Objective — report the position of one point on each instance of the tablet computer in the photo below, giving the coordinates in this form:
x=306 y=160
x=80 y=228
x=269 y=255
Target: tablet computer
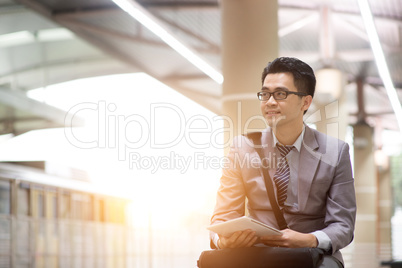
x=243 y=223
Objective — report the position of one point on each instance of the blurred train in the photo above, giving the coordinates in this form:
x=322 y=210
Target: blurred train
x=50 y=221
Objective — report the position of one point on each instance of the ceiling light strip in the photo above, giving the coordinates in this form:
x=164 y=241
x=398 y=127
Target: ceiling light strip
x=380 y=60
x=155 y=26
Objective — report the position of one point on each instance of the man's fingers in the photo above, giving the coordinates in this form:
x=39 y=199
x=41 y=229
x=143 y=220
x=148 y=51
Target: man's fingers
x=273 y=240
x=252 y=242
x=234 y=238
x=238 y=239
x=245 y=238
x=229 y=242
x=273 y=237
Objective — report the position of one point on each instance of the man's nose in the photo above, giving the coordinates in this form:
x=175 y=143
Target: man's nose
x=271 y=100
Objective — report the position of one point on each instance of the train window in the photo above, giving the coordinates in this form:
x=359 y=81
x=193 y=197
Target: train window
x=40 y=205
x=88 y=212
x=52 y=203
x=38 y=201
x=5 y=197
x=102 y=210
x=82 y=206
x=23 y=199
x=65 y=205
x=122 y=211
x=76 y=206
x=115 y=210
x=88 y=208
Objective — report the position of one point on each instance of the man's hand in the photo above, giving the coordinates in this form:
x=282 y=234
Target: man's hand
x=290 y=239
x=238 y=239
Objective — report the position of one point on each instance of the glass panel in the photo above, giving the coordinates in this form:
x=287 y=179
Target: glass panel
x=65 y=245
x=77 y=245
x=87 y=204
x=23 y=200
x=76 y=201
x=5 y=238
x=39 y=261
x=52 y=209
x=53 y=206
x=40 y=229
x=40 y=205
x=5 y=197
x=52 y=261
x=23 y=240
x=23 y=244
x=102 y=210
x=23 y=261
x=5 y=261
x=5 y=243
x=23 y=237
x=65 y=206
x=82 y=206
x=52 y=241
x=99 y=237
x=89 y=244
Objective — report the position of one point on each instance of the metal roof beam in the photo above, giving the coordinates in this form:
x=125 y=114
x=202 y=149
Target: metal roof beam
x=308 y=56
x=88 y=13
x=19 y=100
x=355 y=55
x=5 y=78
x=179 y=4
x=38 y=7
x=12 y=8
x=351 y=27
x=293 y=27
x=212 y=46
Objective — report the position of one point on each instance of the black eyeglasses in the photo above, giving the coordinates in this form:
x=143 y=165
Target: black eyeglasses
x=278 y=95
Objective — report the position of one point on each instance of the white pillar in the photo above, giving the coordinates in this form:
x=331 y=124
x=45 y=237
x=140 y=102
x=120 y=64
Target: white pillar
x=366 y=237
x=249 y=41
x=331 y=103
x=385 y=209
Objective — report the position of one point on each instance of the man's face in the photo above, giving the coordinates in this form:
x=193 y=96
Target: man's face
x=287 y=112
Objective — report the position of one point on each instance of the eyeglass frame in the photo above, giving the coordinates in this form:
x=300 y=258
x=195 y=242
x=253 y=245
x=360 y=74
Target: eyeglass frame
x=285 y=91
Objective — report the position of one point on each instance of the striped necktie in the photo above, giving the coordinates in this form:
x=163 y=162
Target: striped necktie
x=282 y=174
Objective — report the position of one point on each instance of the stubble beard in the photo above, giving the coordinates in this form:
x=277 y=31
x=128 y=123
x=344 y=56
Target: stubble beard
x=274 y=122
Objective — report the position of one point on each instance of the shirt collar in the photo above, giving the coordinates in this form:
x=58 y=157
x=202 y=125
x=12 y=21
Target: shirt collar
x=297 y=144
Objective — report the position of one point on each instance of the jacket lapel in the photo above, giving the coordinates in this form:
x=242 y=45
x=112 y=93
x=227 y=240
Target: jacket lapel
x=309 y=159
x=269 y=148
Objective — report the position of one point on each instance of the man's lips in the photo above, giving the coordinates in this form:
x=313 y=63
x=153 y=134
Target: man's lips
x=271 y=113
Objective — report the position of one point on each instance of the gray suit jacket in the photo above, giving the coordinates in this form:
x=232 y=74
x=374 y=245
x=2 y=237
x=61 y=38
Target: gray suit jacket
x=326 y=195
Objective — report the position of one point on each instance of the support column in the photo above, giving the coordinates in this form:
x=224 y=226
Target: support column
x=365 y=242
x=249 y=41
x=332 y=103
x=385 y=209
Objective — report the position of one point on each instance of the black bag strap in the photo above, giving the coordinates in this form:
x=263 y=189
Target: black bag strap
x=256 y=138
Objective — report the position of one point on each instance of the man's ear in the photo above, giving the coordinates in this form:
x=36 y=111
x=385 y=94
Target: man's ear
x=307 y=102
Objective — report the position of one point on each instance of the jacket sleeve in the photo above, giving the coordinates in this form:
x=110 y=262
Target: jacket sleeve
x=341 y=203
x=231 y=195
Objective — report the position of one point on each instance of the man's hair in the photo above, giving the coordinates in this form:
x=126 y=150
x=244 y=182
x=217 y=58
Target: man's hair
x=303 y=74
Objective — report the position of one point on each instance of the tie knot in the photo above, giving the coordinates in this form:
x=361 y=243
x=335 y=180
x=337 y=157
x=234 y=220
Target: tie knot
x=284 y=150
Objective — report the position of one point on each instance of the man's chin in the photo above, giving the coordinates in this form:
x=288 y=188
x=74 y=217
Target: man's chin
x=273 y=122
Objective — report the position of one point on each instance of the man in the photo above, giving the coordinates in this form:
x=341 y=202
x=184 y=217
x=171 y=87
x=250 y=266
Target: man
x=316 y=196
